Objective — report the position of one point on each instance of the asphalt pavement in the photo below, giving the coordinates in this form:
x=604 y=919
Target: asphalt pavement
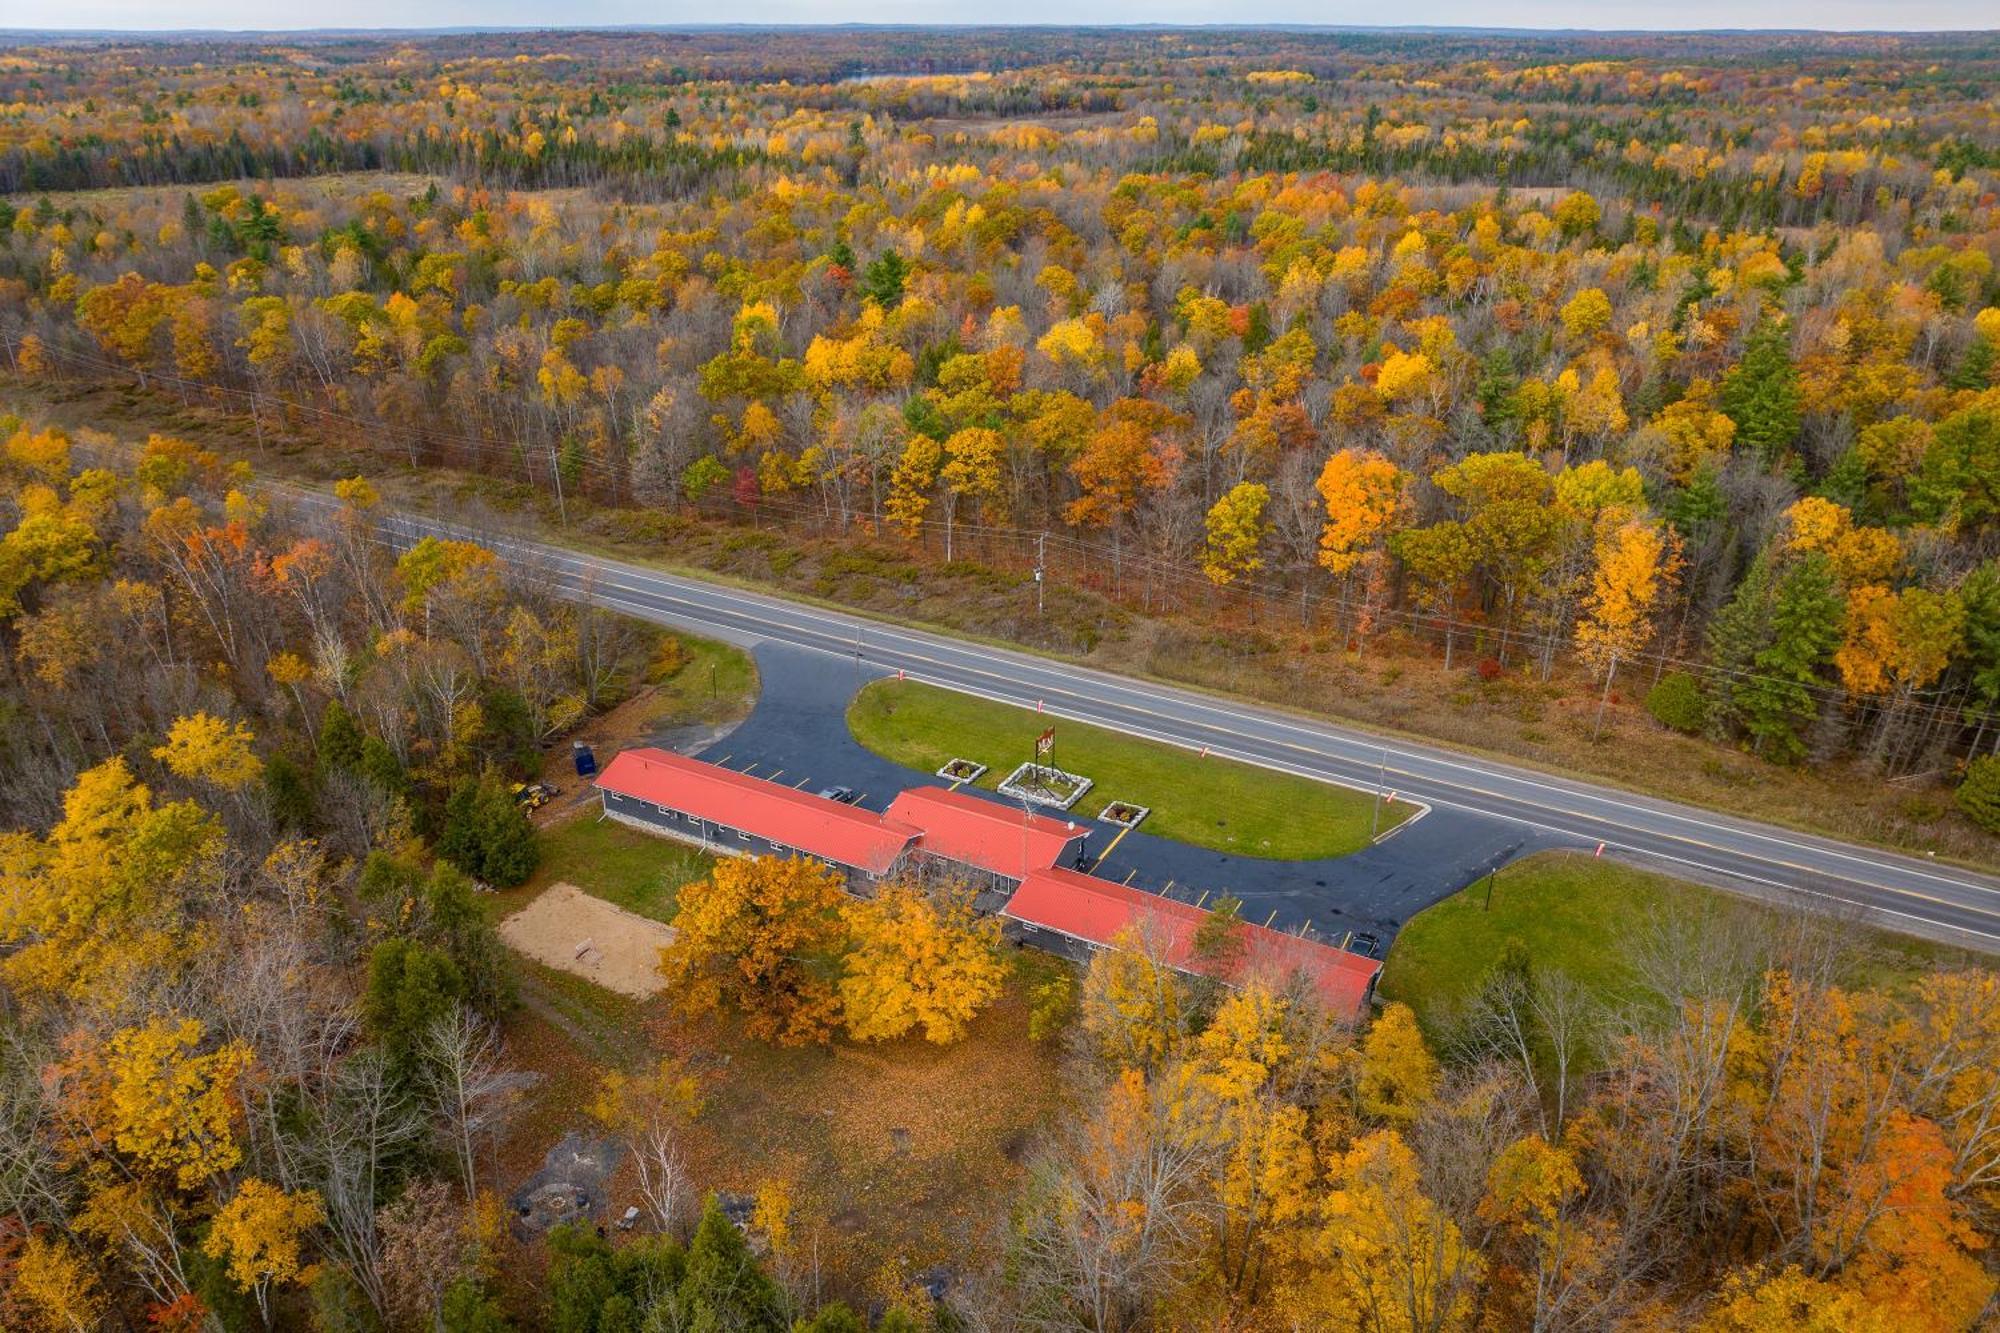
x=798 y=735
x=1922 y=897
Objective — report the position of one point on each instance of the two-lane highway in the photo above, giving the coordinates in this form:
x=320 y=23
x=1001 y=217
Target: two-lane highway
x=1923 y=897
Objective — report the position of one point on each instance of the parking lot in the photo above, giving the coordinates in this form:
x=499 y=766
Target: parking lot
x=798 y=735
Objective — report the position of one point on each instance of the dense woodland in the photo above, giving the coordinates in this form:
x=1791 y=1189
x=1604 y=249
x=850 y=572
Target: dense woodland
x=1547 y=355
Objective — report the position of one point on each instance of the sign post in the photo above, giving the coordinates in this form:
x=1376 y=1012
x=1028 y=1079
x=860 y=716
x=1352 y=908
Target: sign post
x=1045 y=745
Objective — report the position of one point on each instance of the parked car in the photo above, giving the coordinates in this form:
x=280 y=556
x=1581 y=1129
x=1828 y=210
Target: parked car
x=845 y=795
x=1365 y=944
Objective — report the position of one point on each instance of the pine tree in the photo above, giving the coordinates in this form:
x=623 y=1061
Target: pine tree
x=1975 y=366
x=724 y=1287
x=1761 y=393
x=1777 y=700
x=340 y=738
x=487 y=834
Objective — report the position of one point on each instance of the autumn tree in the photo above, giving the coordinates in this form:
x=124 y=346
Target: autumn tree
x=261 y=1234
x=918 y=960
x=748 y=936
x=1236 y=529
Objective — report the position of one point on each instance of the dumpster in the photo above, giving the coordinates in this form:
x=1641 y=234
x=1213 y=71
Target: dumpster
x=586 y=761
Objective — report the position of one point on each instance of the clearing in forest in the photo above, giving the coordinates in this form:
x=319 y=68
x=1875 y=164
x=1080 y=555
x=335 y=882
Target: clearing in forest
x=566 y=928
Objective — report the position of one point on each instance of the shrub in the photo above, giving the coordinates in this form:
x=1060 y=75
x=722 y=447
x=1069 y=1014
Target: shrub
x=1979 y=794
x=1677 y=702
x=1489 y=668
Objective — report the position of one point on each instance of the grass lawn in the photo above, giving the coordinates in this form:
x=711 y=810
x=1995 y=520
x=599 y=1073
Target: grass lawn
x=621 y=865
x=717 y=683
x=1576 y=913
x=1215 y=803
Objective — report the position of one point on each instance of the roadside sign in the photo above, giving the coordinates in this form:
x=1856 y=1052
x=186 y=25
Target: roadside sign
x=1045 y=743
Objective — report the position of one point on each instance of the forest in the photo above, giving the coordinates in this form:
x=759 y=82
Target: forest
x=1561 y=376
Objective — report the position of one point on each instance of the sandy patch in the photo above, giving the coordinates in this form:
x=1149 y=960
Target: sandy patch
x=566 y=928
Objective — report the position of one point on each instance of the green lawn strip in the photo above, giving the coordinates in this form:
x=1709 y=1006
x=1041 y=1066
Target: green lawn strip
x=621 y=865
x=1578 y=914
x=717 y=683
x=1209 y=802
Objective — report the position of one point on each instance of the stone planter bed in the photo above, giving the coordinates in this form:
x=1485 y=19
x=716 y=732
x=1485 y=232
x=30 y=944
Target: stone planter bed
x=1124 y=812
x=1045 y=786
x=961 y=770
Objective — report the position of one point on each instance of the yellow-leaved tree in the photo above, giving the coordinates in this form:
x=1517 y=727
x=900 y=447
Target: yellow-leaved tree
x=748 y=935
x=54 y=1288
x=100 y=898
x=261 y=1232
x=170 y=1107
x=1397 y=1072
x=1135 y=1008
x=1636 y=562
x=1236 y=528
x=918 y=960
x=202 y=748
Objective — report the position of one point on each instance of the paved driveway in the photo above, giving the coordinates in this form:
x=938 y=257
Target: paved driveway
x=798 y=735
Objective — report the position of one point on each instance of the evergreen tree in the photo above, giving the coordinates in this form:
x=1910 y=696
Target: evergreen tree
x=883 y=280
x=487 y=834
x=1761 y=392
x=724 y=1286
x=1979 y=794
x=1777 y=701
x=340 y=738
x=1975 y=367
x=379 y=764
x=409 y=987
x=594 y=1288
x=288 y=791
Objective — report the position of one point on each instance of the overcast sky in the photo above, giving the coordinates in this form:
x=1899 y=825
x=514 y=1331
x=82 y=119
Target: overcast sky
x=262 y=14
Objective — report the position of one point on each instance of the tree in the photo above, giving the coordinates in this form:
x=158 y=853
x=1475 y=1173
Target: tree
x=725 y=1289
x=474 y=1092
x=1397 y=1073
x=1363 y=492
x=650 y=1111
x=488 y=834
x=1979 y=793
x=918 y=960
x=261 y=1232
x=1236 y=529
x=103 y=896
x=747 y=935
x=1635 y=562
x=1135 y=1008
x=1386 y=1256
x=1761 y=392
x=410 y=987
x=207 y=749
x=170 y=1107
x=55 y=1287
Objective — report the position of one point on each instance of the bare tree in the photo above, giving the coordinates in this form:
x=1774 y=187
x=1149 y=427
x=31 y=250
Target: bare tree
x=474 y=1092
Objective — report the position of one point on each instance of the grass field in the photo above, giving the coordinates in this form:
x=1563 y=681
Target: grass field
x=717 y=683
x=1578 y=914
x=1216 y=803
x=621 y=865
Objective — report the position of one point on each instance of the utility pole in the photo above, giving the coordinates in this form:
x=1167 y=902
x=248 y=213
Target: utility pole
x=555 y=469
x=1381 y=780
x=1040 y=538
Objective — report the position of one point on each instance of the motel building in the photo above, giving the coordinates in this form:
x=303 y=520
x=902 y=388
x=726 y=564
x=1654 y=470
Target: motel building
x=1018 y=862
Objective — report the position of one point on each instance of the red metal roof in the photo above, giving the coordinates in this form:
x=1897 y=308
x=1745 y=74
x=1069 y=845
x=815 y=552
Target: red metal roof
x=811 y=824
x=974 y=831
x=1098 y=911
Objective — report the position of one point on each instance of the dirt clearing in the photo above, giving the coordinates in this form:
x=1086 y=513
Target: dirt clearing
x=567 y=929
